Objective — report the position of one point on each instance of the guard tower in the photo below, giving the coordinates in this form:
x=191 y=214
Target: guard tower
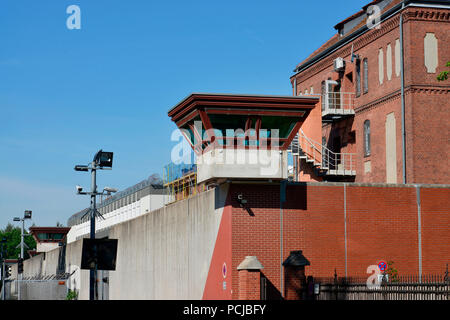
x=241 y=137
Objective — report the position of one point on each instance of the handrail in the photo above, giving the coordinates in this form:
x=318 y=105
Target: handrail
x=324 y=157
x=338 y=101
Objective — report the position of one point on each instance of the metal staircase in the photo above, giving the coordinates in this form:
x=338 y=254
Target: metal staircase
x=323 y=161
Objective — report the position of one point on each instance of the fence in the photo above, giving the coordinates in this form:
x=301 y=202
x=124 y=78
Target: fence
x=427 y=287
x=181 y=181
x=50 y=287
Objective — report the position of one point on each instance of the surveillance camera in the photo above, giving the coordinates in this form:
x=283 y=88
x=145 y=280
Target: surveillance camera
x=79 y=189
x=110 y=190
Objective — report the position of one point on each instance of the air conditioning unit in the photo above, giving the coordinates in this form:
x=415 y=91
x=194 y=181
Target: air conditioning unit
x=339 y=64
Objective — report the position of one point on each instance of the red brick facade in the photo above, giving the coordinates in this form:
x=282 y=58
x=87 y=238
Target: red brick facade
x=249 y=284
x=340 y=227
x=426 y=99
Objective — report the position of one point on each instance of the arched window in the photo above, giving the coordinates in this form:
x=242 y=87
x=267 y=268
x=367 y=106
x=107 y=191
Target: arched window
x=323 y=95
x=367 y=138
x=366 y=75
x=358 y=77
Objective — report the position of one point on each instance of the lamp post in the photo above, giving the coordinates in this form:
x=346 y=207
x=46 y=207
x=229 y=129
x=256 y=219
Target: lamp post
x=102 y=161
x=3 y=257
x=26 y=215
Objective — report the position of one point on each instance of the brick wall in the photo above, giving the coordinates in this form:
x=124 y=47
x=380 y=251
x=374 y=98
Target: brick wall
x=249 y=284
x=340 y=228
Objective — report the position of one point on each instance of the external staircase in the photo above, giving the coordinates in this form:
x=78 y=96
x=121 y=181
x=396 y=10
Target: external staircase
x=322 y=160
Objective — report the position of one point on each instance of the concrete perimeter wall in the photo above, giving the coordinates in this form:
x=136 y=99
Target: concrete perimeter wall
x=164 y=254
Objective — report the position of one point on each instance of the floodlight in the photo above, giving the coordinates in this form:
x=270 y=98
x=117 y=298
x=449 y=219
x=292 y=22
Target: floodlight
x=27 y=214
x=16 y=219
x=104 y=159
x=81 y=168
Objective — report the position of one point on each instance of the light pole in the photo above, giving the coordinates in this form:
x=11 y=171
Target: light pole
x=3 y=256
x=103 y=161
x=26 y=215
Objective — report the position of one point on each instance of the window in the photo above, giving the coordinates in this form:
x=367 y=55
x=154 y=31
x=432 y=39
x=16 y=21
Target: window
x=50 y=236
x=323 y=95
x=367 y=138
x=358 y=77
x=366 y=75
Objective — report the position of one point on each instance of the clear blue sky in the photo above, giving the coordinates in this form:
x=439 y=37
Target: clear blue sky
x=64 y=94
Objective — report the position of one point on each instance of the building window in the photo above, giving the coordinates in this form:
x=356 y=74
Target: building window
x=358 y=77
x=367 y=138
x=323 y=95
x=366 y=75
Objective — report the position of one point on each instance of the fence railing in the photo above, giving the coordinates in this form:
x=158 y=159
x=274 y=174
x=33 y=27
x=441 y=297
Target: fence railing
x=427 y=287
x=338 y=102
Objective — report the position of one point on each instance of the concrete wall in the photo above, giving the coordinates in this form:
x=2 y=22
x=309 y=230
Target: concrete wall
x=240 y=163
x=164 y=254
x=44 y=290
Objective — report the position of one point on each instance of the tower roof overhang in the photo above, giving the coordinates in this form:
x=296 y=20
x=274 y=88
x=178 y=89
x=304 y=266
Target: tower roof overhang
x=256 y=113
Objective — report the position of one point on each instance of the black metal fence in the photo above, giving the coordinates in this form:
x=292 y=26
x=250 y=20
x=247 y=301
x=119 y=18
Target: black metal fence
x=425 y=287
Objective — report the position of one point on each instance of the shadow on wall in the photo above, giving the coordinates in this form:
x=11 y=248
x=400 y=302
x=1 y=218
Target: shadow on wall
x=268 y=197
x=271 y=292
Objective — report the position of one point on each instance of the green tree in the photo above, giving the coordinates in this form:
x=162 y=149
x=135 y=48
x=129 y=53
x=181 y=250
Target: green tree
x=444 y=74
x=392 y=272
x=12 y=234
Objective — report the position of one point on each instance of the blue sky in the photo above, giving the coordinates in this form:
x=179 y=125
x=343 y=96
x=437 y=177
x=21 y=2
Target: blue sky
x=65 y=94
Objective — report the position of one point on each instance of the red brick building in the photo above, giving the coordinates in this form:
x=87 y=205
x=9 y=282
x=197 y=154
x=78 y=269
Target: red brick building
x=376 y=205
x=384 y=114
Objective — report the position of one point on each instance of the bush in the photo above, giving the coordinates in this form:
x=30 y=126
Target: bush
x=72 y=295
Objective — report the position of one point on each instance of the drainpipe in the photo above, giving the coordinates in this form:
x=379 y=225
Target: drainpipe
x=283 y=186
x=402 y=78
x=295 y=86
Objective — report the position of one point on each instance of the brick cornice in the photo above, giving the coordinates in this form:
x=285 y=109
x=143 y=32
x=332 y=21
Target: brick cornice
x=427 y=14
x=371 y=105
x=419 y=88
x=396 y=94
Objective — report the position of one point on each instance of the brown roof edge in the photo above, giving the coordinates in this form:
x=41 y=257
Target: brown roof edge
x=221 y=98
x=49 y=229
x=357 y=14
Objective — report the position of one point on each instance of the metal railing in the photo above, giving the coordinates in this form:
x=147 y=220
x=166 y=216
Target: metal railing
x=321 y=156
x=407 y=287
x=338 y=103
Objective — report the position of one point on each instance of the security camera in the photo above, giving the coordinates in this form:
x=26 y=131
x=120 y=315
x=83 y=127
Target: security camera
x=241 y=200
x=110 y=190
x=79 y=189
